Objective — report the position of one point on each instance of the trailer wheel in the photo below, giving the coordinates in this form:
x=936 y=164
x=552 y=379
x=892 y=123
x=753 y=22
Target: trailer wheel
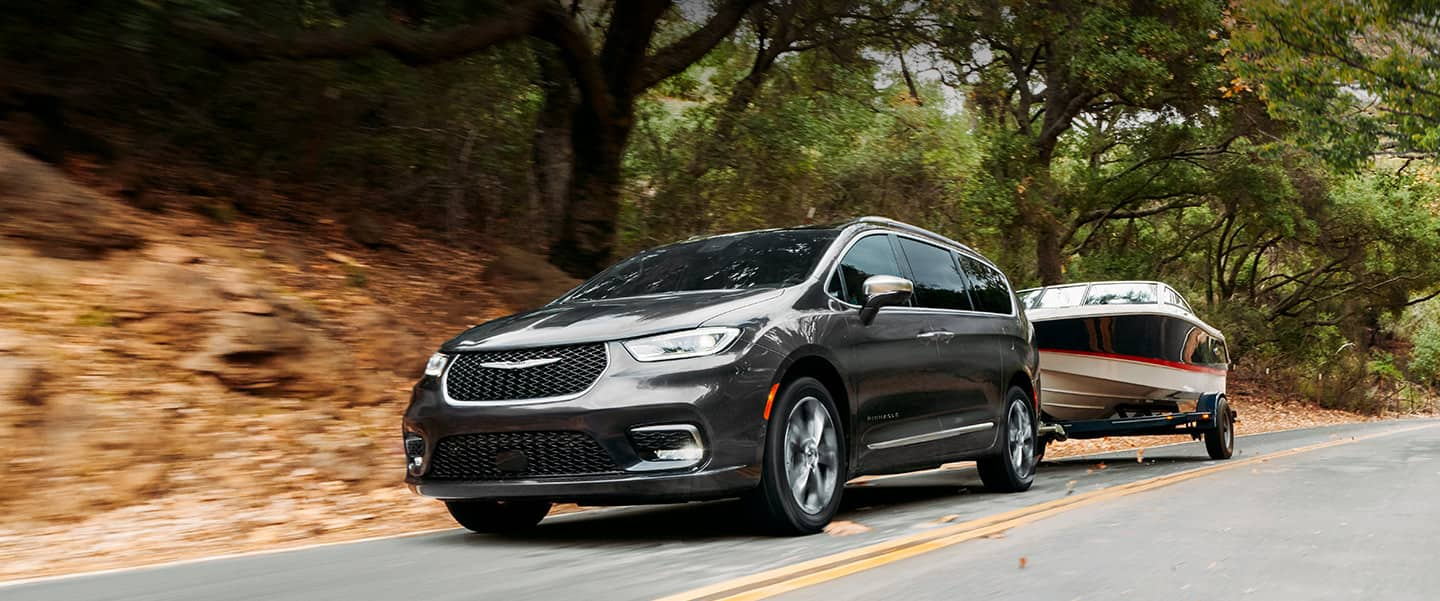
x=1220 y=441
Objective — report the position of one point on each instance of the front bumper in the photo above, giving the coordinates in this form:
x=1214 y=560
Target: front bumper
x=607 y=490
x=722 y=396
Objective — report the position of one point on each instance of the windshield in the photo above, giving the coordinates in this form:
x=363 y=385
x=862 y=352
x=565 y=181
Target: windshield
x=1120 y=294
x=770 y=259
x=1053 y=298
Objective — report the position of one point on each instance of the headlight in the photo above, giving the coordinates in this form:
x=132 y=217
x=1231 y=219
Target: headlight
x=436 y=365
x=678 y=345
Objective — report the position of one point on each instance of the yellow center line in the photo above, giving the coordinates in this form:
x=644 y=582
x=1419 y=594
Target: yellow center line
x=808 y=573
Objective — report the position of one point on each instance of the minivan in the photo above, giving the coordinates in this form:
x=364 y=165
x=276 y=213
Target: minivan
x=770 y=365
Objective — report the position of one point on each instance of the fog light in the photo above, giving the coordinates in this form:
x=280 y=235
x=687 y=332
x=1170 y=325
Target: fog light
x=690 y=453
x=674 y=443
x=414 y=453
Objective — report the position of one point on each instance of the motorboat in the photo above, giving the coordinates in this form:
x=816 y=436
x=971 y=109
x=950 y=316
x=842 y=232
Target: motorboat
x=1122 y=349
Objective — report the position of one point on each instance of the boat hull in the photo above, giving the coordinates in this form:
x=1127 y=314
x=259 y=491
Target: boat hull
x=1102 y=366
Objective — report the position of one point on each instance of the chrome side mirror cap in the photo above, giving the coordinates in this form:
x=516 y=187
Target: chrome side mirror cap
x=884 y=291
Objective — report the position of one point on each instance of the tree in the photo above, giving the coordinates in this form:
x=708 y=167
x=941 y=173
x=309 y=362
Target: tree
x=775 y=31
x=1362 y=77
x=607 y=83
x=1034 y=69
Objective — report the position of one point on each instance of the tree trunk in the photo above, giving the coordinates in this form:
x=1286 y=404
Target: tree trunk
x=587 y=234
x=1047 y=252
x=553 y=158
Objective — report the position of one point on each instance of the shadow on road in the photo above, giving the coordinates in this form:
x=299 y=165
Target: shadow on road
x=727 y=519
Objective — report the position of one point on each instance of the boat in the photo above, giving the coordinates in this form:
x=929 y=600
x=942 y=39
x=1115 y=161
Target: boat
x=1122 y=349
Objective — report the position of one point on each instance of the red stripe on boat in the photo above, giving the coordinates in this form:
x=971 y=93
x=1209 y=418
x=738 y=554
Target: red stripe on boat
x=1137 y=359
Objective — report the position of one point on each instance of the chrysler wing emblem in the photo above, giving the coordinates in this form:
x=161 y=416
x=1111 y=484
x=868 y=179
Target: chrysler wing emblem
x=520 y=364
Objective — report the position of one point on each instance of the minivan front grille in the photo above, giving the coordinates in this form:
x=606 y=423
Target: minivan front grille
x=555 y=371
x=511 y=455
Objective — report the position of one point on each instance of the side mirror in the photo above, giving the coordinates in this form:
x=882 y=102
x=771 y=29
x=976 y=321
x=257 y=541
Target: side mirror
x=884 y=291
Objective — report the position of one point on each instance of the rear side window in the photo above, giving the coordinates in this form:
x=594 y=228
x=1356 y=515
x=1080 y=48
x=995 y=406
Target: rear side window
x=938 y=283
x=871 y=256
x=989 y=289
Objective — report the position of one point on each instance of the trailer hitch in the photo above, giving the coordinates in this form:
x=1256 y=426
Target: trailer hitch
x=1051 y=432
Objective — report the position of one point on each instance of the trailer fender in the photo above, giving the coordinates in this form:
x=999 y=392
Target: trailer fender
x=1207 y=404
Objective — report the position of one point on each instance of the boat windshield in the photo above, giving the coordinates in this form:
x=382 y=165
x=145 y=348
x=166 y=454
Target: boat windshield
x=1120 y=294
x=1055 y=298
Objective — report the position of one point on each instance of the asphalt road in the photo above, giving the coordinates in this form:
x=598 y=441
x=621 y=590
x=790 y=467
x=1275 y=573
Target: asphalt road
x=1355 y=514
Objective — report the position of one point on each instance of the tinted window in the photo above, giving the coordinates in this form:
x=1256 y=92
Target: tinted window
x=1120 y=294
x=870 y=256
x=990 y=291
x=938 y=284
x=771 y=259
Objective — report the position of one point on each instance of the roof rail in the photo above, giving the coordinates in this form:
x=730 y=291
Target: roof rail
x=901 y=225
x=880 y=220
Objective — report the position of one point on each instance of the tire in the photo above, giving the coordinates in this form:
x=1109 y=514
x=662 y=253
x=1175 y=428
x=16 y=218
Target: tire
x=1013 y=468
x=497 y=517
x=796 y=457
x=1220 y=442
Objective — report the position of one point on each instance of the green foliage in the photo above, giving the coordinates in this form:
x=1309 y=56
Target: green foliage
x=1353 y=77
x=1425 y=361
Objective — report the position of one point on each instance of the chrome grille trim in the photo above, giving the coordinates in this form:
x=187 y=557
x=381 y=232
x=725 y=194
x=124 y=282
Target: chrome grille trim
x=445 y=382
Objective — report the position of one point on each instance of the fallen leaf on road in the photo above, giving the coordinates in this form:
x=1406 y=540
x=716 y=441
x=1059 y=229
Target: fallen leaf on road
x=845 y=528
x=1022 y=563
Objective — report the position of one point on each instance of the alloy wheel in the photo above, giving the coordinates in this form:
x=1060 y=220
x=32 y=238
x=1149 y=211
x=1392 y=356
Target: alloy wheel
x=1021 y=439
x=811 y=455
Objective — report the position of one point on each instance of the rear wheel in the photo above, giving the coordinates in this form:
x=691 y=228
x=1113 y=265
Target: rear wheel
x=804 y=468
x=1013 y=470
x=1220 y=442
x=498 y=516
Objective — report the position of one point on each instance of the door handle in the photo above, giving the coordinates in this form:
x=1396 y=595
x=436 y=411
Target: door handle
x=940 y=334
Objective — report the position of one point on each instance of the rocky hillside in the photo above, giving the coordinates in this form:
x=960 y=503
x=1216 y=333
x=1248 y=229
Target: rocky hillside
x=207 y=382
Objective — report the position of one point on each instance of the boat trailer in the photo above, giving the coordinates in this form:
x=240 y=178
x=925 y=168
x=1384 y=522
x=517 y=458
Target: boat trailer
x=1212 y=420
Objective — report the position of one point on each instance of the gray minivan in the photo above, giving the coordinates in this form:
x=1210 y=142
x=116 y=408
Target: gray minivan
x=772 y=365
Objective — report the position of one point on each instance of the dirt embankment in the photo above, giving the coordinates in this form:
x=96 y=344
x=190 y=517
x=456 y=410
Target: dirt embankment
x=175 y=386
x=172 y=386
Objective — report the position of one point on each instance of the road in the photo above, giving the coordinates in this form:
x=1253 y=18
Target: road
x=1328 y=513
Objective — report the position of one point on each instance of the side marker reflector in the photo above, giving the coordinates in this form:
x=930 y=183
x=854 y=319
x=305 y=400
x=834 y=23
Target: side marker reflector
x=770 y=401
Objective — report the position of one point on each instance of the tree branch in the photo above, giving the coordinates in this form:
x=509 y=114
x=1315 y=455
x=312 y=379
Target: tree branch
x=678 y=56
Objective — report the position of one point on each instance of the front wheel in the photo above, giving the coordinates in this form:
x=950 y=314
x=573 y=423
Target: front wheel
x=493 y=517
x=1013 y=469
x=1220 y=442
x=804 y=469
